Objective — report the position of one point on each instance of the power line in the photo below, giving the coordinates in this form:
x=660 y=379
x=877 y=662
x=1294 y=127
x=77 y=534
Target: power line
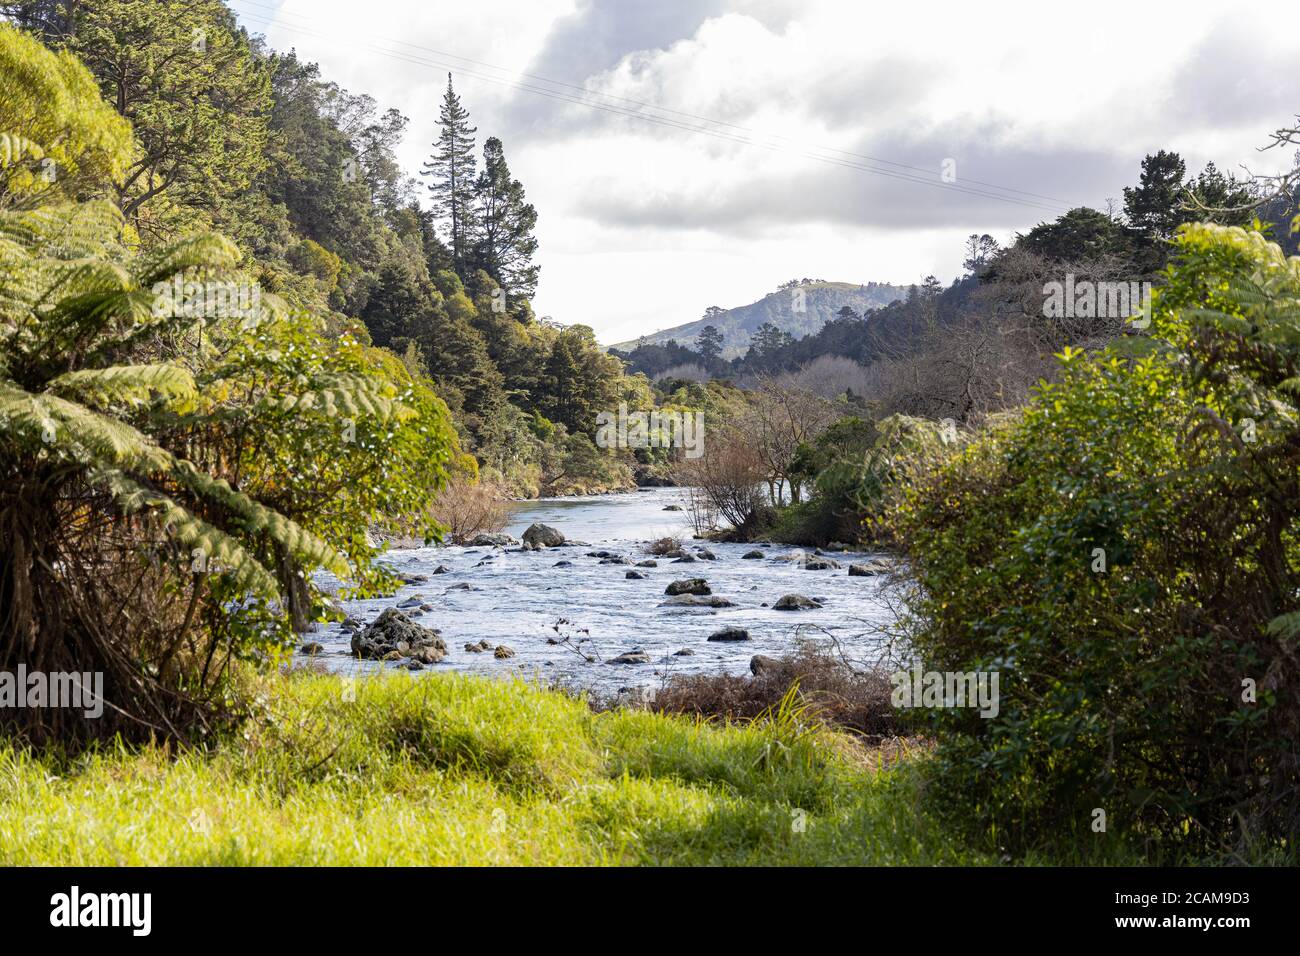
x=664 y=109
x=561 y=96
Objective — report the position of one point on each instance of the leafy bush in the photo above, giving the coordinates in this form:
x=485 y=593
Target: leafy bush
x=1125 y=555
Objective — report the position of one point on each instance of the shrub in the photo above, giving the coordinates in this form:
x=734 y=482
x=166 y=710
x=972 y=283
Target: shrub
x=1126 y=556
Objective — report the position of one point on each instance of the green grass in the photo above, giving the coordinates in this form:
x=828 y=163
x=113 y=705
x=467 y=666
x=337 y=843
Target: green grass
x=451 y=769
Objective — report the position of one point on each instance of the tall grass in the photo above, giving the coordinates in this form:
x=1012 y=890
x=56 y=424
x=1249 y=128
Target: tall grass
x=459 y=770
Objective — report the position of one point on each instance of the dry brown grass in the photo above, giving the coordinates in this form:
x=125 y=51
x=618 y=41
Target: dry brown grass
x=834 y=693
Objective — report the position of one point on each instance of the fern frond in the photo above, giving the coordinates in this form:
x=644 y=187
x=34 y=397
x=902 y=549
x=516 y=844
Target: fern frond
x=215 y=545
x=125 y=383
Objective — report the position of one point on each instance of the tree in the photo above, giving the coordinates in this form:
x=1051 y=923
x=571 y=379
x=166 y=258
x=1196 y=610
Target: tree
x=1080 y=234
x=1153 y=206
x=63 y=139
x=709 y=344
x=451 y=172
x=185 y=76
x=504 y=244
x=980 y=251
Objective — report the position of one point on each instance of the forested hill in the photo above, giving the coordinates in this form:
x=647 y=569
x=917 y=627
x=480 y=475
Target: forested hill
x=821 y=301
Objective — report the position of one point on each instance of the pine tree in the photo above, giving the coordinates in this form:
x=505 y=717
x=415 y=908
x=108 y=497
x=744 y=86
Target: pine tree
x=451 y=170
x=709 y=344
x=505 y=244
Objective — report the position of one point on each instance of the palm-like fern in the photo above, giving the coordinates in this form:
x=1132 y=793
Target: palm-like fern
x=67 y=321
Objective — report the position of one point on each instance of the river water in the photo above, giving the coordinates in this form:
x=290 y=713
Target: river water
x=520 y=598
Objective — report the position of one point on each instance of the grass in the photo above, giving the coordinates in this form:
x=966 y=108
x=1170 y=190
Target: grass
x=452 y=769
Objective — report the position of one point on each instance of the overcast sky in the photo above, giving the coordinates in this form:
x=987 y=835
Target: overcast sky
x=644 y=223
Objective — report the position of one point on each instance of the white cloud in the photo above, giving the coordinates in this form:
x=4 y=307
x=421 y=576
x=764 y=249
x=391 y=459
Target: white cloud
x=643 y=225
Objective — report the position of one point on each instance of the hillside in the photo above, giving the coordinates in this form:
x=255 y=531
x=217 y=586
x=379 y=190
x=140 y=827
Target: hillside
x=822 y=301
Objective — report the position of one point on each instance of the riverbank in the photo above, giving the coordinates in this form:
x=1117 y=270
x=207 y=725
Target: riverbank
x=453 y=769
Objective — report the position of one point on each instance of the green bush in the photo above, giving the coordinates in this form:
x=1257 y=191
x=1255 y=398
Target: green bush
x=1125 y=555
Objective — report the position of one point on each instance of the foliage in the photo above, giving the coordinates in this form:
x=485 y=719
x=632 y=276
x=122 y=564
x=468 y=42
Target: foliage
x=1125 y=555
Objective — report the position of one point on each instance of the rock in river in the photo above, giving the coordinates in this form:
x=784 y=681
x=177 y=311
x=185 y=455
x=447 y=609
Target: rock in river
x=631 y=657
x=696 y=600
x=503 y=651
x=490 y=540
x=635 y=575
x=730 y=634
x=542 y=536
x=795 y=602
x=754 y=555
x=381 y=640
x=689 y=586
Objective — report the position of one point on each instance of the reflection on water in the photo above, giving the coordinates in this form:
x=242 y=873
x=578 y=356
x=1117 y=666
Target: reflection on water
x=517 y=598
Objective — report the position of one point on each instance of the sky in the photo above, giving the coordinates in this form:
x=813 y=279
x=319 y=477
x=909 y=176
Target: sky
x=717 y=148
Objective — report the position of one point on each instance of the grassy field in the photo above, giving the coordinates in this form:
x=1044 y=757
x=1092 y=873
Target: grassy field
x=461 y=770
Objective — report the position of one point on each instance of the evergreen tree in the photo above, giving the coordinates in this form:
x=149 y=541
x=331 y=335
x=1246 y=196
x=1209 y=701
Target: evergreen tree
x=505 y=245
x=1152 y=206
x=451 y=172
x=709 y=344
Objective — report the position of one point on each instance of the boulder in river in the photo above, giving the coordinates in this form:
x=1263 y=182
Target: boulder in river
x=730 y=634
x=685 y=559
x=684 y=652
x=503 y=651
x=441 y=569
x=755 y=555
x=697 y=600
x=648 y=563
x=381 y=640
x=761 y=663
x=479 y=647
x=631 y=657
x=615 y=561
x=672 y=507
x=820 y=564
x=868 y=569
x=563 y=564
x=705 y=554
x=312 y=647
x=485 y=540
x=540 y=536
x=635 y=575
x=689 y=586
x=795 y=602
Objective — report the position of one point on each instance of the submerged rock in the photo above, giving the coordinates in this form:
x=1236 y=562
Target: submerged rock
x=696 y=600
x=636 y=575
x=491 y=540
x=689 y=586
x=795 y=602
x=684 y=652
x=820 y=564
x=631 y=657
x=312 y=647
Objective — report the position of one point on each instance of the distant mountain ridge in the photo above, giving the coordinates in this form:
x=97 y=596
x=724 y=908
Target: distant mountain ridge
x=821 y=302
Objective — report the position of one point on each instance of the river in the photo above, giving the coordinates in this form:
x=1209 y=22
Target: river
x=518 y=598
